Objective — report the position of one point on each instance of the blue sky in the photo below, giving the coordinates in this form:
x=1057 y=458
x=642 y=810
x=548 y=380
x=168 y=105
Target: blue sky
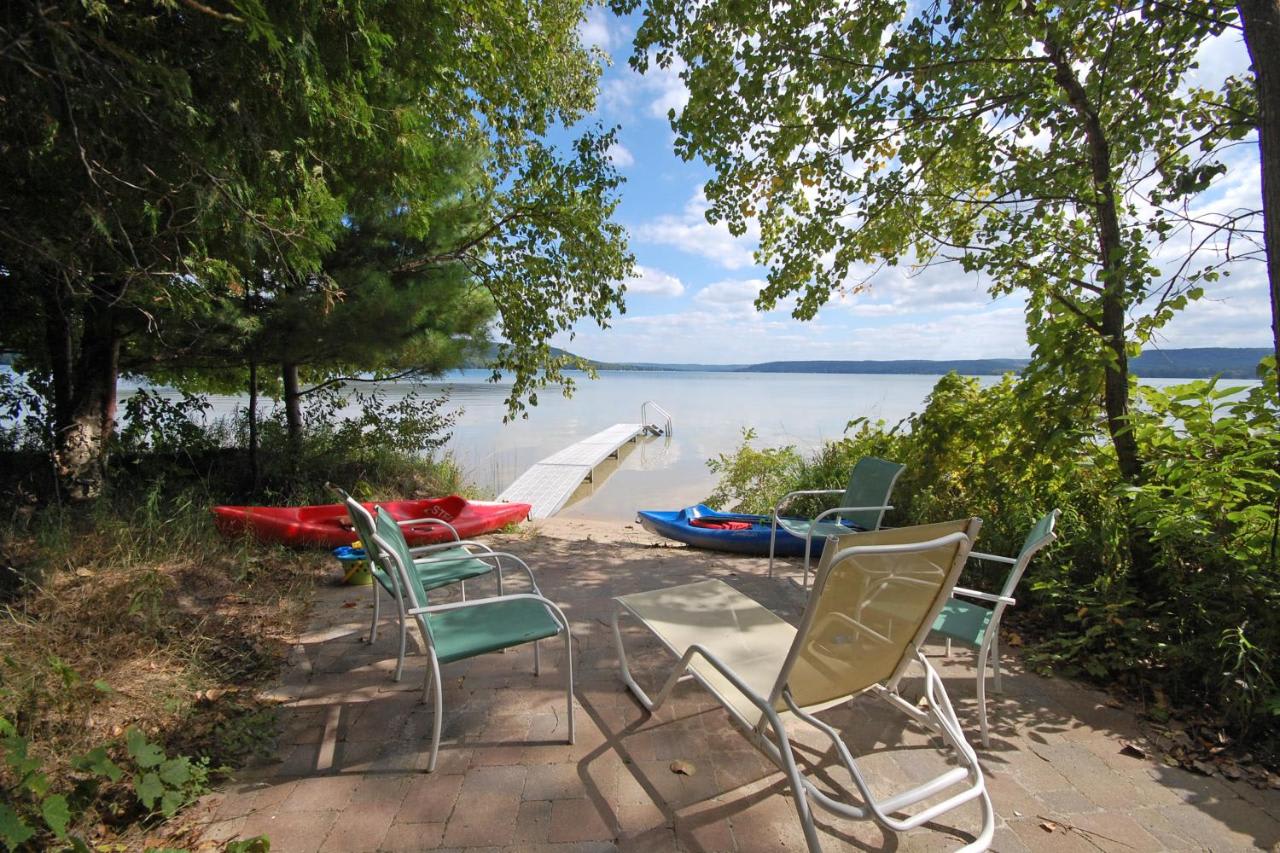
x=692 y=298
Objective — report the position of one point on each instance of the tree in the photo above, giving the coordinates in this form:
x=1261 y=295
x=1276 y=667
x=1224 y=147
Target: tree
x=1260 y=20
x=157 y=158
x=1052 y=146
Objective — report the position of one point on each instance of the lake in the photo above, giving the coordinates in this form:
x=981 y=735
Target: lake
x=709 y=412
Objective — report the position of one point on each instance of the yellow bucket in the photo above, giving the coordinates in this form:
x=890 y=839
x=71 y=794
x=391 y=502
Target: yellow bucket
x=355 y=565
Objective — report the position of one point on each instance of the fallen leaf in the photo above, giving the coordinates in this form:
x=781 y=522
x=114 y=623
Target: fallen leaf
x=1114 y=703
x=83 y=573
x=1048 y=826
x=684 y=768
x=1203 y=768
x=350 y=603
x=1129 y=748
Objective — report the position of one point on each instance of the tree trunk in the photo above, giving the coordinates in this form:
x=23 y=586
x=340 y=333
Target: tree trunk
x=81 y=439
x=292 y=408
x=255 y=478
x=1261 y=19
x=59 y=342
x=1115 y=300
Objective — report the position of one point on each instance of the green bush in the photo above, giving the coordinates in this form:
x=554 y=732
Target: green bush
x=32 y=814
x=1198 y=625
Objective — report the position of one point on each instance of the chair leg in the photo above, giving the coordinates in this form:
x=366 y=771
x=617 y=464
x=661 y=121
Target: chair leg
x=377 y=613
x=948 y=647
x=995 y=661
x=537 y=658
x=568 y=669
x=803 y=810
x=463 y=586
x=808 y=547
x=404 y=639
x=982 y=693
x=433 y=680
x=773 y=537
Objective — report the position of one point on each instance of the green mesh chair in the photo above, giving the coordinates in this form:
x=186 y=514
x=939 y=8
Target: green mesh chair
x=464 y=629
x=874 y=597
x=436 y=565
x=862 y=504
x=978 y=625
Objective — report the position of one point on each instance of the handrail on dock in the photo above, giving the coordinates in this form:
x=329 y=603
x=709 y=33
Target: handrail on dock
x=644 y=418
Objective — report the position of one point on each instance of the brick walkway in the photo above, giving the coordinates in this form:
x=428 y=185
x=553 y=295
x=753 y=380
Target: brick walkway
x=352 y=748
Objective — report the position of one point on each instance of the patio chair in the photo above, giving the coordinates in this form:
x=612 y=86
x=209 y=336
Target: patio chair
x=874 y=597
x=979 y=626
x=437 y=565
x=863 y=504
x=464 y=629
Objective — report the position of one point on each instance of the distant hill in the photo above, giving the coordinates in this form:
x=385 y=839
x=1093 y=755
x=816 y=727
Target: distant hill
x=969 y=367
x=1231 y=363
x=1201 y=362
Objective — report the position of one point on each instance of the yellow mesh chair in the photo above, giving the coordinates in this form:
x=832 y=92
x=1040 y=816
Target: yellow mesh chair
x=874 y=599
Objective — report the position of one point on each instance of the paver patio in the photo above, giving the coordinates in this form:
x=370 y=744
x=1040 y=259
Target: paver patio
x=352 y=748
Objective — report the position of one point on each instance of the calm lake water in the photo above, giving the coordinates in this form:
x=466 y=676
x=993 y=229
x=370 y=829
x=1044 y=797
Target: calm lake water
x=709 y=412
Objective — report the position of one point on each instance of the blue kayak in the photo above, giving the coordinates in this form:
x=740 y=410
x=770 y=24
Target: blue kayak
x=703 y=527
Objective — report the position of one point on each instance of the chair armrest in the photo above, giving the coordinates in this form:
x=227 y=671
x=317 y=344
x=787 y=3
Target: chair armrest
x=556 y=612
x=995 y=558
x=496 y=556
x=984 y=596
x=461 y=543
x=789 y=495
x=839 y=509
x=414 y=522
x=479 y=602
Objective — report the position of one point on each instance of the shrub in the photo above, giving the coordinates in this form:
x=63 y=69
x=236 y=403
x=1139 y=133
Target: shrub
x=1206 y=632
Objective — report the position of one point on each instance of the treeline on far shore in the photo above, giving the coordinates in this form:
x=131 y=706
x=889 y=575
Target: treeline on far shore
x=1189 y=363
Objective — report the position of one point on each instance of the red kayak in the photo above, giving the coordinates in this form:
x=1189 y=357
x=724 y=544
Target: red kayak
x=329 y=524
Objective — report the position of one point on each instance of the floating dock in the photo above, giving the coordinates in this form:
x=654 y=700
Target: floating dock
x=549 y=484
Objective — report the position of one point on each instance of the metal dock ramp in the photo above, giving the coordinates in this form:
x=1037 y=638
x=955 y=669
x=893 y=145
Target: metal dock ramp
x=549 y=484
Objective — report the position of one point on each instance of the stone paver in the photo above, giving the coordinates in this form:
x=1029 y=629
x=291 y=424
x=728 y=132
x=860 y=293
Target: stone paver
x=350 y=772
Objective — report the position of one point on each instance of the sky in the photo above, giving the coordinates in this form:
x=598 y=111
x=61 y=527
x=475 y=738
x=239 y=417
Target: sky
x=691 y=297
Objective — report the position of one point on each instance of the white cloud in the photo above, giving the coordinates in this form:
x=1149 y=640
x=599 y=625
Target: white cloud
x=727 y=334
x=690 y=232
x=659 y=89
x=669 y=90
x=654 y=282
x=596 y=30
x=904 y=290
x=1218 y=58
x=737 y=296
x=621 y=155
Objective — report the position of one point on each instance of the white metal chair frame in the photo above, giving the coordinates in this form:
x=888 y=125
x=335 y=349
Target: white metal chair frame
x=989 y=649
x=432 y=684
x=939 y=716
x=354 y=509
x=808 y=538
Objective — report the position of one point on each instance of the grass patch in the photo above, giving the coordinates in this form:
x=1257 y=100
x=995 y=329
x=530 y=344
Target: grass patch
x=135 y=616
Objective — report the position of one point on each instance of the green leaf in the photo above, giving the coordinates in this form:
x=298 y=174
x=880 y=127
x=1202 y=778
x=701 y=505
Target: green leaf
x=13 y=830
x=176 y=772
x=149 y=789
x=142 y=751
x=56 y=813
x=172 y=800
x=96 y=761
